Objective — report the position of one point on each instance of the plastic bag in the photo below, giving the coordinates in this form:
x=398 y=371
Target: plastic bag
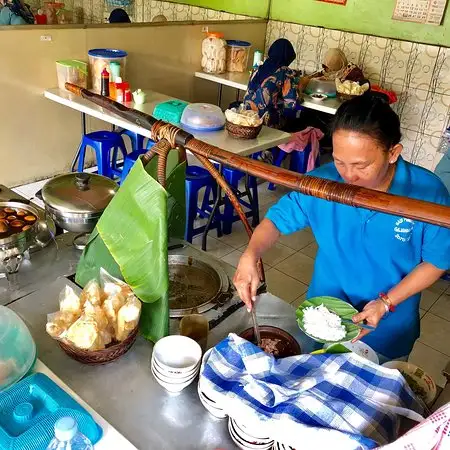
x=105 y=313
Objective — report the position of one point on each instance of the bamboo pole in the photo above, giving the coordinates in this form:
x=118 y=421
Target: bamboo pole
x=318 y=187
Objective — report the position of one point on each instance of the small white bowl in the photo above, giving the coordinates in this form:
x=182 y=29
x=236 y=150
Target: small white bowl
x=177 y=354
x=167 y=378
x=244 y=444
x=250 y=435
x=171 y=387
x=216 y=412
x=318 y=97
x=175 y=374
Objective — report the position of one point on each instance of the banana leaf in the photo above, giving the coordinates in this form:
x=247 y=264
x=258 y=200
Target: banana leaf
x=130 y=239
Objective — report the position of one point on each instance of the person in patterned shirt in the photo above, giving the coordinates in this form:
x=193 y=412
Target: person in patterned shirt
x=273 y=90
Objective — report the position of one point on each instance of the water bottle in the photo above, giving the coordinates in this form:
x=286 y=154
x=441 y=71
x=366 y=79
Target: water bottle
x=444 y=145
x=67 y=436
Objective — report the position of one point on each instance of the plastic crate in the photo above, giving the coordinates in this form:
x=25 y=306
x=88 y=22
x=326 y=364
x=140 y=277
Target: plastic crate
x=29 y=410
x=170 y=111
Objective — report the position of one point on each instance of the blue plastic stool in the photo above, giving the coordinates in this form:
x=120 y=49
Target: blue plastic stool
x=137 y=141
x=233 y=177
x=298 y=162
x=106 y=145
x=198 y=178
x=128 y=162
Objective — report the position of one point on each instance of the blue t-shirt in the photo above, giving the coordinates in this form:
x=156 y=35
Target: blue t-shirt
x=362 y=252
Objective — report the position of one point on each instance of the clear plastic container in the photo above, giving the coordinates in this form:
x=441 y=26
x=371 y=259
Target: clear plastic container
x=214 y=53
x=100 y=58
x=51 y=11
x=203 y=117
x=67 y=436
x=17 y=348
x=237 y=55
x=72 y=71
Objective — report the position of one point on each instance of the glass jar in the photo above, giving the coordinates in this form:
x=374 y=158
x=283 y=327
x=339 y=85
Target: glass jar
x=214 y=53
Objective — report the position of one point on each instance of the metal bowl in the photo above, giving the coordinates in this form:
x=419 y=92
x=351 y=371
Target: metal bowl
x=286 y=346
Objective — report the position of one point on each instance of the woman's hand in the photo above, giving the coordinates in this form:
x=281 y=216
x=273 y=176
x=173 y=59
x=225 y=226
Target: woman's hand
x=372 y=313
x=246 y=279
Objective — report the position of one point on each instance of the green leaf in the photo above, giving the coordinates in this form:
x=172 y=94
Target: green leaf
x=341 y=308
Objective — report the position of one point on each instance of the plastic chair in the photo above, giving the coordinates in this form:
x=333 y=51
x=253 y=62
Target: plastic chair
x=198 y=178
x=298 y=162
x=137 y=141
x=129 y=161
x=106 y=145
x=233 y=177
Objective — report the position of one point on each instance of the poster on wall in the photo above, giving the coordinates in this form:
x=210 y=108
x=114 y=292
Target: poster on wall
x=335 y=2
x=420 y=11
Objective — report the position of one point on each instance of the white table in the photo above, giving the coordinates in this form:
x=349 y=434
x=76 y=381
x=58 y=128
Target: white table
x=268 y=138
x=239 y=81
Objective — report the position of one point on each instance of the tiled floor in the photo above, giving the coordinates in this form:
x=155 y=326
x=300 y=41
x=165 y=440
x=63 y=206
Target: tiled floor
x=289 y=267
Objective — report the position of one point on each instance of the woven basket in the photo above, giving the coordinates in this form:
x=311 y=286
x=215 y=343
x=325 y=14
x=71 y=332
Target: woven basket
x=241 y=131
x=105 y=356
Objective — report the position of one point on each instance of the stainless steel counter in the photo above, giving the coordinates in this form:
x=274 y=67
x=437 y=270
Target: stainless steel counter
x=125 y=393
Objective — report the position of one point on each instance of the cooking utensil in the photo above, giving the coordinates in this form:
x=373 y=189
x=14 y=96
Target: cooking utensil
x=75 y=201
x=359 y=324
x=255 y=326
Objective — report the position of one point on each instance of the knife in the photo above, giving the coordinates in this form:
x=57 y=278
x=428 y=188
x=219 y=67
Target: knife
x=359 y=324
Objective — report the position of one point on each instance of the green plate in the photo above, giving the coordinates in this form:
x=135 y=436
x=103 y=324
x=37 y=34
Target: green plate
x=343 y=309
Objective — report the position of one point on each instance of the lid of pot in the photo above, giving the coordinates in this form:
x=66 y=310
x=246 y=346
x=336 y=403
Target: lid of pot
x=82 y=193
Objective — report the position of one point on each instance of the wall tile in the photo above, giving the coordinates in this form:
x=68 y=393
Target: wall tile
x=443 y=72
x=351 y=44
x=396 y=61
x=424 y=65
x=198 y=13
x=408 y=140
x=424 y=152
x=410 y=108
x=374 y=57
x=309 y=48
x=182 y=12
x=328 y=39
x=435 y=114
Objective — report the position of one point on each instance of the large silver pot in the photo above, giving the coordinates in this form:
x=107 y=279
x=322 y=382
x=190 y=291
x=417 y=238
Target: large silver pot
x=75 y=201
x=13 y=247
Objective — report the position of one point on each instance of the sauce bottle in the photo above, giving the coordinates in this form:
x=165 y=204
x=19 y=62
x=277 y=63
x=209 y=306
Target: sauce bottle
x=105 y=83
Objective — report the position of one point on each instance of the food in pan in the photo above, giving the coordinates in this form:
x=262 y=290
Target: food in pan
x=14 y=221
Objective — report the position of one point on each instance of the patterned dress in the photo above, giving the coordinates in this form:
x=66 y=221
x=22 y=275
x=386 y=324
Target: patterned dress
x=277 y=95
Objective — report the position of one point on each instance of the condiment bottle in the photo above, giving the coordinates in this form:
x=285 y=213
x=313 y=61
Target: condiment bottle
x=127 y=95
x=115 y=70
x=105 y=83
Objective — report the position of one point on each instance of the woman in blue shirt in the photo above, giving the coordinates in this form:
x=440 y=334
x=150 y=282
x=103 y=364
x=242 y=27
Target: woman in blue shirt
x=15 y=12
x=363 y=253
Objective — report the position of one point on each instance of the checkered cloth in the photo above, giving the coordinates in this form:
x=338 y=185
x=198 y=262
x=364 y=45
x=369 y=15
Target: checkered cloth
x=309 y=401
x=432 y=434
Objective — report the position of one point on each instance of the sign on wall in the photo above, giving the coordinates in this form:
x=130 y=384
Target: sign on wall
x=336 y=2
x=420 y=11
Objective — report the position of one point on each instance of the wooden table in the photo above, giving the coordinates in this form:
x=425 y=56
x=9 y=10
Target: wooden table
x=239 y=81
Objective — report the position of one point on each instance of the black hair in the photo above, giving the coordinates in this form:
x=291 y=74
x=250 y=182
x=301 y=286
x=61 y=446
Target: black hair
x=119 y=15
x=371 y=115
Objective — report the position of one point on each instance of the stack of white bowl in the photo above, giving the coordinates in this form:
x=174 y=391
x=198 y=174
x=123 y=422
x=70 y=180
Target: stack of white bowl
x=280 y=446
x=249 y=438
x=175 y=362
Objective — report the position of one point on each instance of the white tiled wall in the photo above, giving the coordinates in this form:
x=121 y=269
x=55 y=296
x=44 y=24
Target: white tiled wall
x=419 y=74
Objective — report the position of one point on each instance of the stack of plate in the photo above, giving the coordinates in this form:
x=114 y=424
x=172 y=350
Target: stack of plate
x=248 y=438
x=210 y=405
x=175 y=362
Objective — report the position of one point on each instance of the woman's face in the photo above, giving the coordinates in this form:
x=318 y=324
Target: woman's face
x=361 y=160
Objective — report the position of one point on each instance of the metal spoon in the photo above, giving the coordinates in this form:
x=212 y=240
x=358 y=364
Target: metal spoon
x=255 y=325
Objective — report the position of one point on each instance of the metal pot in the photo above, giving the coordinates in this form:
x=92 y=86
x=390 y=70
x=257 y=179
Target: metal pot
x=75 y=201
x=13 y=247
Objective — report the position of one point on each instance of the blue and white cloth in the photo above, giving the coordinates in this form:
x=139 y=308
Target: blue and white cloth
x=308 y=401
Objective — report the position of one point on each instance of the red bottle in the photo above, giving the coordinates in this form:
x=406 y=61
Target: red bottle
x=105 y=83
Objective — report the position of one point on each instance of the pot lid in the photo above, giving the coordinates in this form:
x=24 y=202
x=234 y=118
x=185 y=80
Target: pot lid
x=82 y=193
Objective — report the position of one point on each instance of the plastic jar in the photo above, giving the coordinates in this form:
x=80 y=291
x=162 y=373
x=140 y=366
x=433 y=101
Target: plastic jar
x=99 y=59
x=237 y=55
x=214 y=53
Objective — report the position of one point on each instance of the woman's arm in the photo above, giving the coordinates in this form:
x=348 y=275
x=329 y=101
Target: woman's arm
x=246 y=278
x=422 y=277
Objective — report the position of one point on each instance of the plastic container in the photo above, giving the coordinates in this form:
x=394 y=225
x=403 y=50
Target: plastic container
x=214 y=53
x=30 y=409
x=17 y=348
x=72 y=71
x=67 y=436
x=64 y=16
x=100 y=58
x=237 y=55
x=203 y=117
x=170 y=111
x=325 y=87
